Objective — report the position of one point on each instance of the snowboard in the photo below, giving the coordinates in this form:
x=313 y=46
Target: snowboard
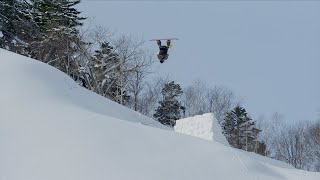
x=164 y=39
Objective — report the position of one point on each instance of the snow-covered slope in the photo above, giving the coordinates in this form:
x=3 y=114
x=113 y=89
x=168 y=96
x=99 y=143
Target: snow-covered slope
x=32 y=84
x=52 y=129
x=203 y=126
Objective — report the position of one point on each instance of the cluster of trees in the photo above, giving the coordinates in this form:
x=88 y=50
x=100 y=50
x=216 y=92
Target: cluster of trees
x=42 y=29
x=114 y=67
x=49 y=31
x=167 y=101
x=297 y=144
x=239 y=129
x=118 y=68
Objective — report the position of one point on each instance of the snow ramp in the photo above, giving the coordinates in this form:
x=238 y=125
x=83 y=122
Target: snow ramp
x=202 y=126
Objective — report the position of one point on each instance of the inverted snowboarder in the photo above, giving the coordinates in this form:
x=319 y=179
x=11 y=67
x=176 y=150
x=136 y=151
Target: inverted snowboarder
x=163 y=51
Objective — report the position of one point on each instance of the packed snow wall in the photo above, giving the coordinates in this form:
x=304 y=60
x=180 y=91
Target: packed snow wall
x=203 y=126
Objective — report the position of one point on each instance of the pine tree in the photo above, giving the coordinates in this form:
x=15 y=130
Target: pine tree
x=55 y=15
x=16 y=25
x=105 y=69
x=240 y=130
x=57 y=40
x=170 y=109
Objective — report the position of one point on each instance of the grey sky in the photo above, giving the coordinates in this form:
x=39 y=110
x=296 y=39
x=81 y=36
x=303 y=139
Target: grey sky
x=268 y=53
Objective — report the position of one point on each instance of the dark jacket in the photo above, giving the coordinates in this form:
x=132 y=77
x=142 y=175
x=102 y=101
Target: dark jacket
x=163 y=50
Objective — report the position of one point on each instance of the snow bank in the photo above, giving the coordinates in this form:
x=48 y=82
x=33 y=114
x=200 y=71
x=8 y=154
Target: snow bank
x=203 y=126
x=37 y=81
x=52 y=129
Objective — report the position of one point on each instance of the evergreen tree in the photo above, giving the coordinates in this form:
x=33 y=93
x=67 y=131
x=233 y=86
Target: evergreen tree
x=240 y=130
x=57 y=40
x=106 y=74
x=16 y=25
x=170 y=109
x=55 y=15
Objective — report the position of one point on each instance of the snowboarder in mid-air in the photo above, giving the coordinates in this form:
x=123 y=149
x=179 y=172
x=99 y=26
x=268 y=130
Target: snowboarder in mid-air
x=163 y=51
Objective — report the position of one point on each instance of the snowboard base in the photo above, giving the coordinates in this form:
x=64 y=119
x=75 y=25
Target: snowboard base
x=164 y=39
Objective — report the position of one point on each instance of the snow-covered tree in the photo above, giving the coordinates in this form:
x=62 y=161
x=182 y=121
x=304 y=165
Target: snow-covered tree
x=105 y=69
x=16 y=25
x=117 y=69
x=58 y=35
x=170 y=109
x=54 y=15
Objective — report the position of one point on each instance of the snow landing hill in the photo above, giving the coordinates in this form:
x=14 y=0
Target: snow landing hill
x=53 y=129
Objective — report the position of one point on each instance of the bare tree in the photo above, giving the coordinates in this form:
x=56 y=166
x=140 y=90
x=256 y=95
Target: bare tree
x=194 y=98
x=271 y=130
x=313 y=138
x=133 y=62
x=220 y=100
x=198 y=98
x=291 y=146
x=297 y=144
x=137 y=80
x=152 y=95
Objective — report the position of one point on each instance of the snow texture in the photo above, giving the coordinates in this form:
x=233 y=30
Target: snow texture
x=53 y=129
x=203 y=126
x=1 y=34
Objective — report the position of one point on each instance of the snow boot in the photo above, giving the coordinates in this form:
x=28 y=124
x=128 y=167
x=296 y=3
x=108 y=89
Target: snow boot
x=168 y=43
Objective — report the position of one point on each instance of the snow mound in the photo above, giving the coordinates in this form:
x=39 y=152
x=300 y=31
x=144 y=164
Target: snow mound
x=40 y=84
x=52 y=129
x=203 y=126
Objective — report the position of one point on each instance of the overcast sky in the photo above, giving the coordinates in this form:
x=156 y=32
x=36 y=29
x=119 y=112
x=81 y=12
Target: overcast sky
x=268 y=53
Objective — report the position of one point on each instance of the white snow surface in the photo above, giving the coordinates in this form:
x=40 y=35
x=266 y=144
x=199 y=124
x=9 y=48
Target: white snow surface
x=52 y=129
x=203 y=126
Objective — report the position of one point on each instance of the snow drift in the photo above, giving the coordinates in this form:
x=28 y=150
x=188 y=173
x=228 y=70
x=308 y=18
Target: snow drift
x=52 y=129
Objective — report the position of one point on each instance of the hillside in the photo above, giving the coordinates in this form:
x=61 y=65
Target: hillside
x=53 y=129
